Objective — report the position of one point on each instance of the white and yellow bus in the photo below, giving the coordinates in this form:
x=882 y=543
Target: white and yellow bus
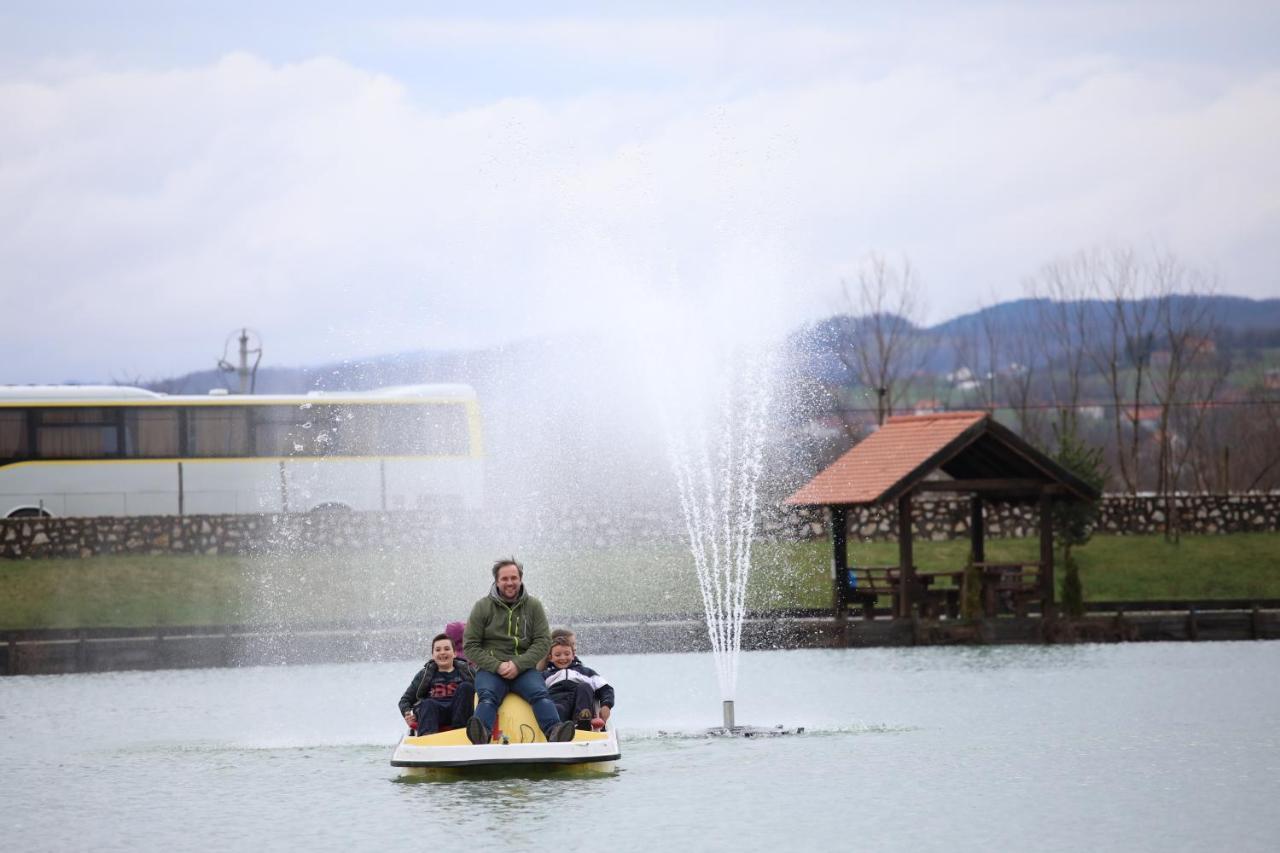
x=112 y=450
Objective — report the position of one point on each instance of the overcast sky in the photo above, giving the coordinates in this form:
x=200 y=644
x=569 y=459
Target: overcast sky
x=392 y=176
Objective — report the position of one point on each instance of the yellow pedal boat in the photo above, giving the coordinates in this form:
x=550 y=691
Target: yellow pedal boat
x=518 y=743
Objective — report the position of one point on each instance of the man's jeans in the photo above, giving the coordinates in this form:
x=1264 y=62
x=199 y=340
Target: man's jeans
x=493 y=688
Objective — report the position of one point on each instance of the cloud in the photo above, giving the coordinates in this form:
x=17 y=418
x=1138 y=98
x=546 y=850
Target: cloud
x=145 y=213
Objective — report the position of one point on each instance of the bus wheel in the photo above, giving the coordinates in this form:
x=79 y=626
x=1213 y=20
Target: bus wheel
x=30 y=512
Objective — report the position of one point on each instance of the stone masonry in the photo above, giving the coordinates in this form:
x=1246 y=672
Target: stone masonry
x=935 y=519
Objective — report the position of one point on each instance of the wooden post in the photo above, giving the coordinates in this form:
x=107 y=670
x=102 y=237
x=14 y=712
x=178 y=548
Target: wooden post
x=976 y=531
x=839 y=559
x=978 y=545
x=1047 y=588
x=906 y=568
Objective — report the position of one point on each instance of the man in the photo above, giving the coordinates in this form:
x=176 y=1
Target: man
x=507 y=634
x=441 y=693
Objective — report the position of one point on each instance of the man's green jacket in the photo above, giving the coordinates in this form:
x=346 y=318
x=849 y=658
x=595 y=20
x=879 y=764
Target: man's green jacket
x=498 y=631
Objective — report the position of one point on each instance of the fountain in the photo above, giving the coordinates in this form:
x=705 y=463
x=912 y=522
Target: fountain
x=717 y=455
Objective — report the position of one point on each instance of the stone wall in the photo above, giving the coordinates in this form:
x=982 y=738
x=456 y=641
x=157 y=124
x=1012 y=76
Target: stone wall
x=935 y=519
x=948 y=518
x=212 y=534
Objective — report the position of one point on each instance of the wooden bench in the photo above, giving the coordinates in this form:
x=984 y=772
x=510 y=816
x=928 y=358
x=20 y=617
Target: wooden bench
x=1009 y=585
x=937 y=598
x=872 y=582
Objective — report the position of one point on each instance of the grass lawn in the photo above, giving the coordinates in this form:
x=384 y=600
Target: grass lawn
x=404 y=587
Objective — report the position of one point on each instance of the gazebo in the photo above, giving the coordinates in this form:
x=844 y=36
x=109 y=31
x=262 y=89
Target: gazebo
x=952 y=453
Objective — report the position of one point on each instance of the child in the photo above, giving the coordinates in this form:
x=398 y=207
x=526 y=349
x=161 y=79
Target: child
x=442 y=693
x=455 y=631
x=574 y=687
x=559 y=634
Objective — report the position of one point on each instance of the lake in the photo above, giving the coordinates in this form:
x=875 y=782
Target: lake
x=1118 y=747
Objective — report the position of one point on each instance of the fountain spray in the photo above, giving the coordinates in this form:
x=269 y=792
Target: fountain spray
x=717 y=455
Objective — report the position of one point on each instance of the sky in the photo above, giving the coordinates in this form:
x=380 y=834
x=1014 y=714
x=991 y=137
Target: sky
x=353 y=179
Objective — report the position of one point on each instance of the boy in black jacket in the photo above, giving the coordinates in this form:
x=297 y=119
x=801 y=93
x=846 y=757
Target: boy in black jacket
x=574 y=687
x=442 y=693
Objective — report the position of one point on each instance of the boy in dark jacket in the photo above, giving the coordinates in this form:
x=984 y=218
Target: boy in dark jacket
x=575 y=687
x=442 y=693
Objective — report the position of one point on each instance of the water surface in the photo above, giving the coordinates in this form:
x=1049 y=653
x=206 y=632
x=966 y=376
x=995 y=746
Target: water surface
x=1134 y=747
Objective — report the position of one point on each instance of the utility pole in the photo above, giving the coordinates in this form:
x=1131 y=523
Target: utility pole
x=247 y=375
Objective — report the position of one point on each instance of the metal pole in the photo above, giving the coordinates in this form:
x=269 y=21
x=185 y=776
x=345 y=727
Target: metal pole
x=728 y=713
x=244 y=361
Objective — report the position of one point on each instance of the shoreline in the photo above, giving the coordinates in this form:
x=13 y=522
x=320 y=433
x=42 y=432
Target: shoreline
x=64 y=651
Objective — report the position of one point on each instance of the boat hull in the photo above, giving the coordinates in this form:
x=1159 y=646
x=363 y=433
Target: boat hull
x=525 y=748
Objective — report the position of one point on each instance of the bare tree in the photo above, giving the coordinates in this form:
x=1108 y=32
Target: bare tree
x=1026 y=353
x=1236 y=447
x=1186 y=372
x=1121 y=350
x=882 y=351
x=976 y=354
x=1261 y=462
x=1061 y=291
x=1144 y=331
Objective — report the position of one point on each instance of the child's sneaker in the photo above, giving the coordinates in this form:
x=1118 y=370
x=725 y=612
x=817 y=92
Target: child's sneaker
x=561 y=732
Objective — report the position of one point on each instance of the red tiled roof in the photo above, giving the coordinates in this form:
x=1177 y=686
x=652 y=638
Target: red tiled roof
x=883 y=459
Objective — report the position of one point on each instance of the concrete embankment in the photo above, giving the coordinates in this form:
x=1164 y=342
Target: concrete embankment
x=49 y=651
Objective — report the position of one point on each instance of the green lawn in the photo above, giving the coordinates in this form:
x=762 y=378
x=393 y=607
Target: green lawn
x=404 y=587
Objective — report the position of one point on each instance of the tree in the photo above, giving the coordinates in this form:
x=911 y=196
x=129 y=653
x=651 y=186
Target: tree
x=1185 y=390
x=1122 y=350
x=883 y=351
x=976 y=353
x=1073 y=521
x=1025 y=351
x=1061 y=291
x=1143 y=326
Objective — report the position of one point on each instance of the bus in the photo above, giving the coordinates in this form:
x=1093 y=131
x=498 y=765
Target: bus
x=69 y=450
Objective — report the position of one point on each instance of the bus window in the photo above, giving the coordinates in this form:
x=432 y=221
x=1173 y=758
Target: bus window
x=217 y=431
x=355 y=430
x=316 y=431
x=13 y=433
x=273 y=428
x=431 y=429
x=436 y=430
x=77 y=433
x=151 y=433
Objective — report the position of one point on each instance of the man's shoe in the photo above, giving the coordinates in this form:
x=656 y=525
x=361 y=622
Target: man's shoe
x=561 y=732
x=477 y=731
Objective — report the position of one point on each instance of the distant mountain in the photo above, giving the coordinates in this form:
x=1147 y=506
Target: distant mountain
x=408 y=368
x=1242 y=323
x=1234 y=314
x=812 y=350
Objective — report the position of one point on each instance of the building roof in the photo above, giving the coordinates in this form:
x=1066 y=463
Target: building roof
x=909 y=449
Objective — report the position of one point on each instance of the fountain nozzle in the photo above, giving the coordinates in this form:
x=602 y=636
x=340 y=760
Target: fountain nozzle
x=732 y=729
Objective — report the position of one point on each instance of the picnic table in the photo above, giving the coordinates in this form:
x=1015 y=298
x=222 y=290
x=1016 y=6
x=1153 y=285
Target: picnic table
x=1006 y=587
x=871 y=582
x=1009 y=585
